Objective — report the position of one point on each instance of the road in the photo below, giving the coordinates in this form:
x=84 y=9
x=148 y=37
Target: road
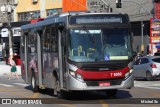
x=15 y=88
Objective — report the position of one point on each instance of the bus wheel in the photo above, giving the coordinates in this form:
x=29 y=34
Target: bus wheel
x=33 y=83
x=111 y=93
x=56 y=91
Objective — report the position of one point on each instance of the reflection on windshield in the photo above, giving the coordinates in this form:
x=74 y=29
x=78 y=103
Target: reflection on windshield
x=99 y=45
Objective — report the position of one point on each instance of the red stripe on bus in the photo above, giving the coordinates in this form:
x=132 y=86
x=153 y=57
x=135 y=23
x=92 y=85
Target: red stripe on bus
x=103 y=74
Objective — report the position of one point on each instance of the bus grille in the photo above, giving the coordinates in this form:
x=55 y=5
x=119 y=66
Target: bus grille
x=96 y=82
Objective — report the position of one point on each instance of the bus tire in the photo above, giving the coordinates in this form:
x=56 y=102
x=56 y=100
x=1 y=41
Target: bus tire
x=60 y=95
x=111 y=93
x=56 y=87
x=33 y=83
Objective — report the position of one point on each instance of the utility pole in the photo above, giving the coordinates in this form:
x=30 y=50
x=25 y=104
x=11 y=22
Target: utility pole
x=109 y=7
x=10 y=35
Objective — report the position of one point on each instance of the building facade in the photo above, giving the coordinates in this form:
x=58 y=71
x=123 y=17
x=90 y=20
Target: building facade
x=30 y=9
x=4 y=15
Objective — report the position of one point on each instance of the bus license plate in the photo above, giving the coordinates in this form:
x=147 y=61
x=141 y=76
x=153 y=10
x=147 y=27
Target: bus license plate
x=104 y=84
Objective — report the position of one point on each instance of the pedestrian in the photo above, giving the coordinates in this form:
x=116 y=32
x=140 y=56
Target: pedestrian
x=13 y=68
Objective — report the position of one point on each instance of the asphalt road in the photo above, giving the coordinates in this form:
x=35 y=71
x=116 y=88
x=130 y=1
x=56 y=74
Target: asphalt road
x=143 y=91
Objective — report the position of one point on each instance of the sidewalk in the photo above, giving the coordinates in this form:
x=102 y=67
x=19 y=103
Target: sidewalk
x=5 y=69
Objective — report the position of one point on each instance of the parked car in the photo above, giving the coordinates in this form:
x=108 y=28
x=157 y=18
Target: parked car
x=147 y=67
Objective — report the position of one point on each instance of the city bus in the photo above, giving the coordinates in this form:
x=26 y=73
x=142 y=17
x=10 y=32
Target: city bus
x=78 y=51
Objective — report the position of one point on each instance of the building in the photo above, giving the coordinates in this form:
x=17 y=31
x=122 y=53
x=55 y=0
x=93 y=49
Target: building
x=154 y=45
x=4 y=16
x=22 y=11
x=7 y=23
x=26 y=10
x=15 y=27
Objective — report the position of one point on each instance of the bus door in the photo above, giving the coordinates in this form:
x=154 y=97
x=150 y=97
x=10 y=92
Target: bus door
x=32 y=54
x=62 y=55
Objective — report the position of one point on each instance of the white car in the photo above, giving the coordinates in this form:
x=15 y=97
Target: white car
x=147 y=67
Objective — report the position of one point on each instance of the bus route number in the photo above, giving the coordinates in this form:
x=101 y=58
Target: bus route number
x=117 y=74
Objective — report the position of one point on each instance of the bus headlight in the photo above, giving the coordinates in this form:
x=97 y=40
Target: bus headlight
x=76 y=75
x=128 y=74
x=72 y=73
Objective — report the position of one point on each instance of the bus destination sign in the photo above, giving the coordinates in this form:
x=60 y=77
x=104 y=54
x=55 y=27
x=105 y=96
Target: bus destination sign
x=84 y=20
x=98 y=19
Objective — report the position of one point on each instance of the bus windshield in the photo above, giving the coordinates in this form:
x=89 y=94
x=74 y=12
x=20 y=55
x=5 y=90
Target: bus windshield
x=88 y=45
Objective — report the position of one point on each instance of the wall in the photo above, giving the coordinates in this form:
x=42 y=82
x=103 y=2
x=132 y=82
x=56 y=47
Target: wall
x=41 y=5
x=74 y=5
x=27 y=5
x=137 y=38
x=51 y=4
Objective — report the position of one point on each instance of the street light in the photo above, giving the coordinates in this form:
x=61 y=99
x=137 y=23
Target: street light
x=8 y=9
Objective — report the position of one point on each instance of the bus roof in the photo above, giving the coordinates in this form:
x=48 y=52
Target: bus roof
x=61 y=18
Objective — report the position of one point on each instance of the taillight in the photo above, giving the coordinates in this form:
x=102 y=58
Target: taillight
x=153 y=65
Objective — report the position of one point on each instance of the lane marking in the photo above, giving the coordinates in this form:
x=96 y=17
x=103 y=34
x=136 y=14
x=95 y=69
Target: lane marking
x=6 y=85
x=21 y=84
x=104 y=104
x=155 y=94
x=148 y=87
x=136 y=105
x=13 y=93
x=67 y=105
x=35 y=95
x=147 y=84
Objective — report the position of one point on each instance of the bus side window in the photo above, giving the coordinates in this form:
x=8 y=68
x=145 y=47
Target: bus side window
x=54 y=39
x=33 y=41
x=46 y=40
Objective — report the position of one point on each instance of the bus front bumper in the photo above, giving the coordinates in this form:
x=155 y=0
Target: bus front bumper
x=76 y=85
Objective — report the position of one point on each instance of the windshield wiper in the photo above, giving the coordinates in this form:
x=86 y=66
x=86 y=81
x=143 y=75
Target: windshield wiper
x=89 y=35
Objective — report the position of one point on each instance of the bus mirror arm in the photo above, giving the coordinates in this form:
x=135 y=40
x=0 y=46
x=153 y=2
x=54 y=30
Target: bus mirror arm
x=61 y=26
x=132 y=39
x=26 y=33
x=63 y=39
x=132 y=34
